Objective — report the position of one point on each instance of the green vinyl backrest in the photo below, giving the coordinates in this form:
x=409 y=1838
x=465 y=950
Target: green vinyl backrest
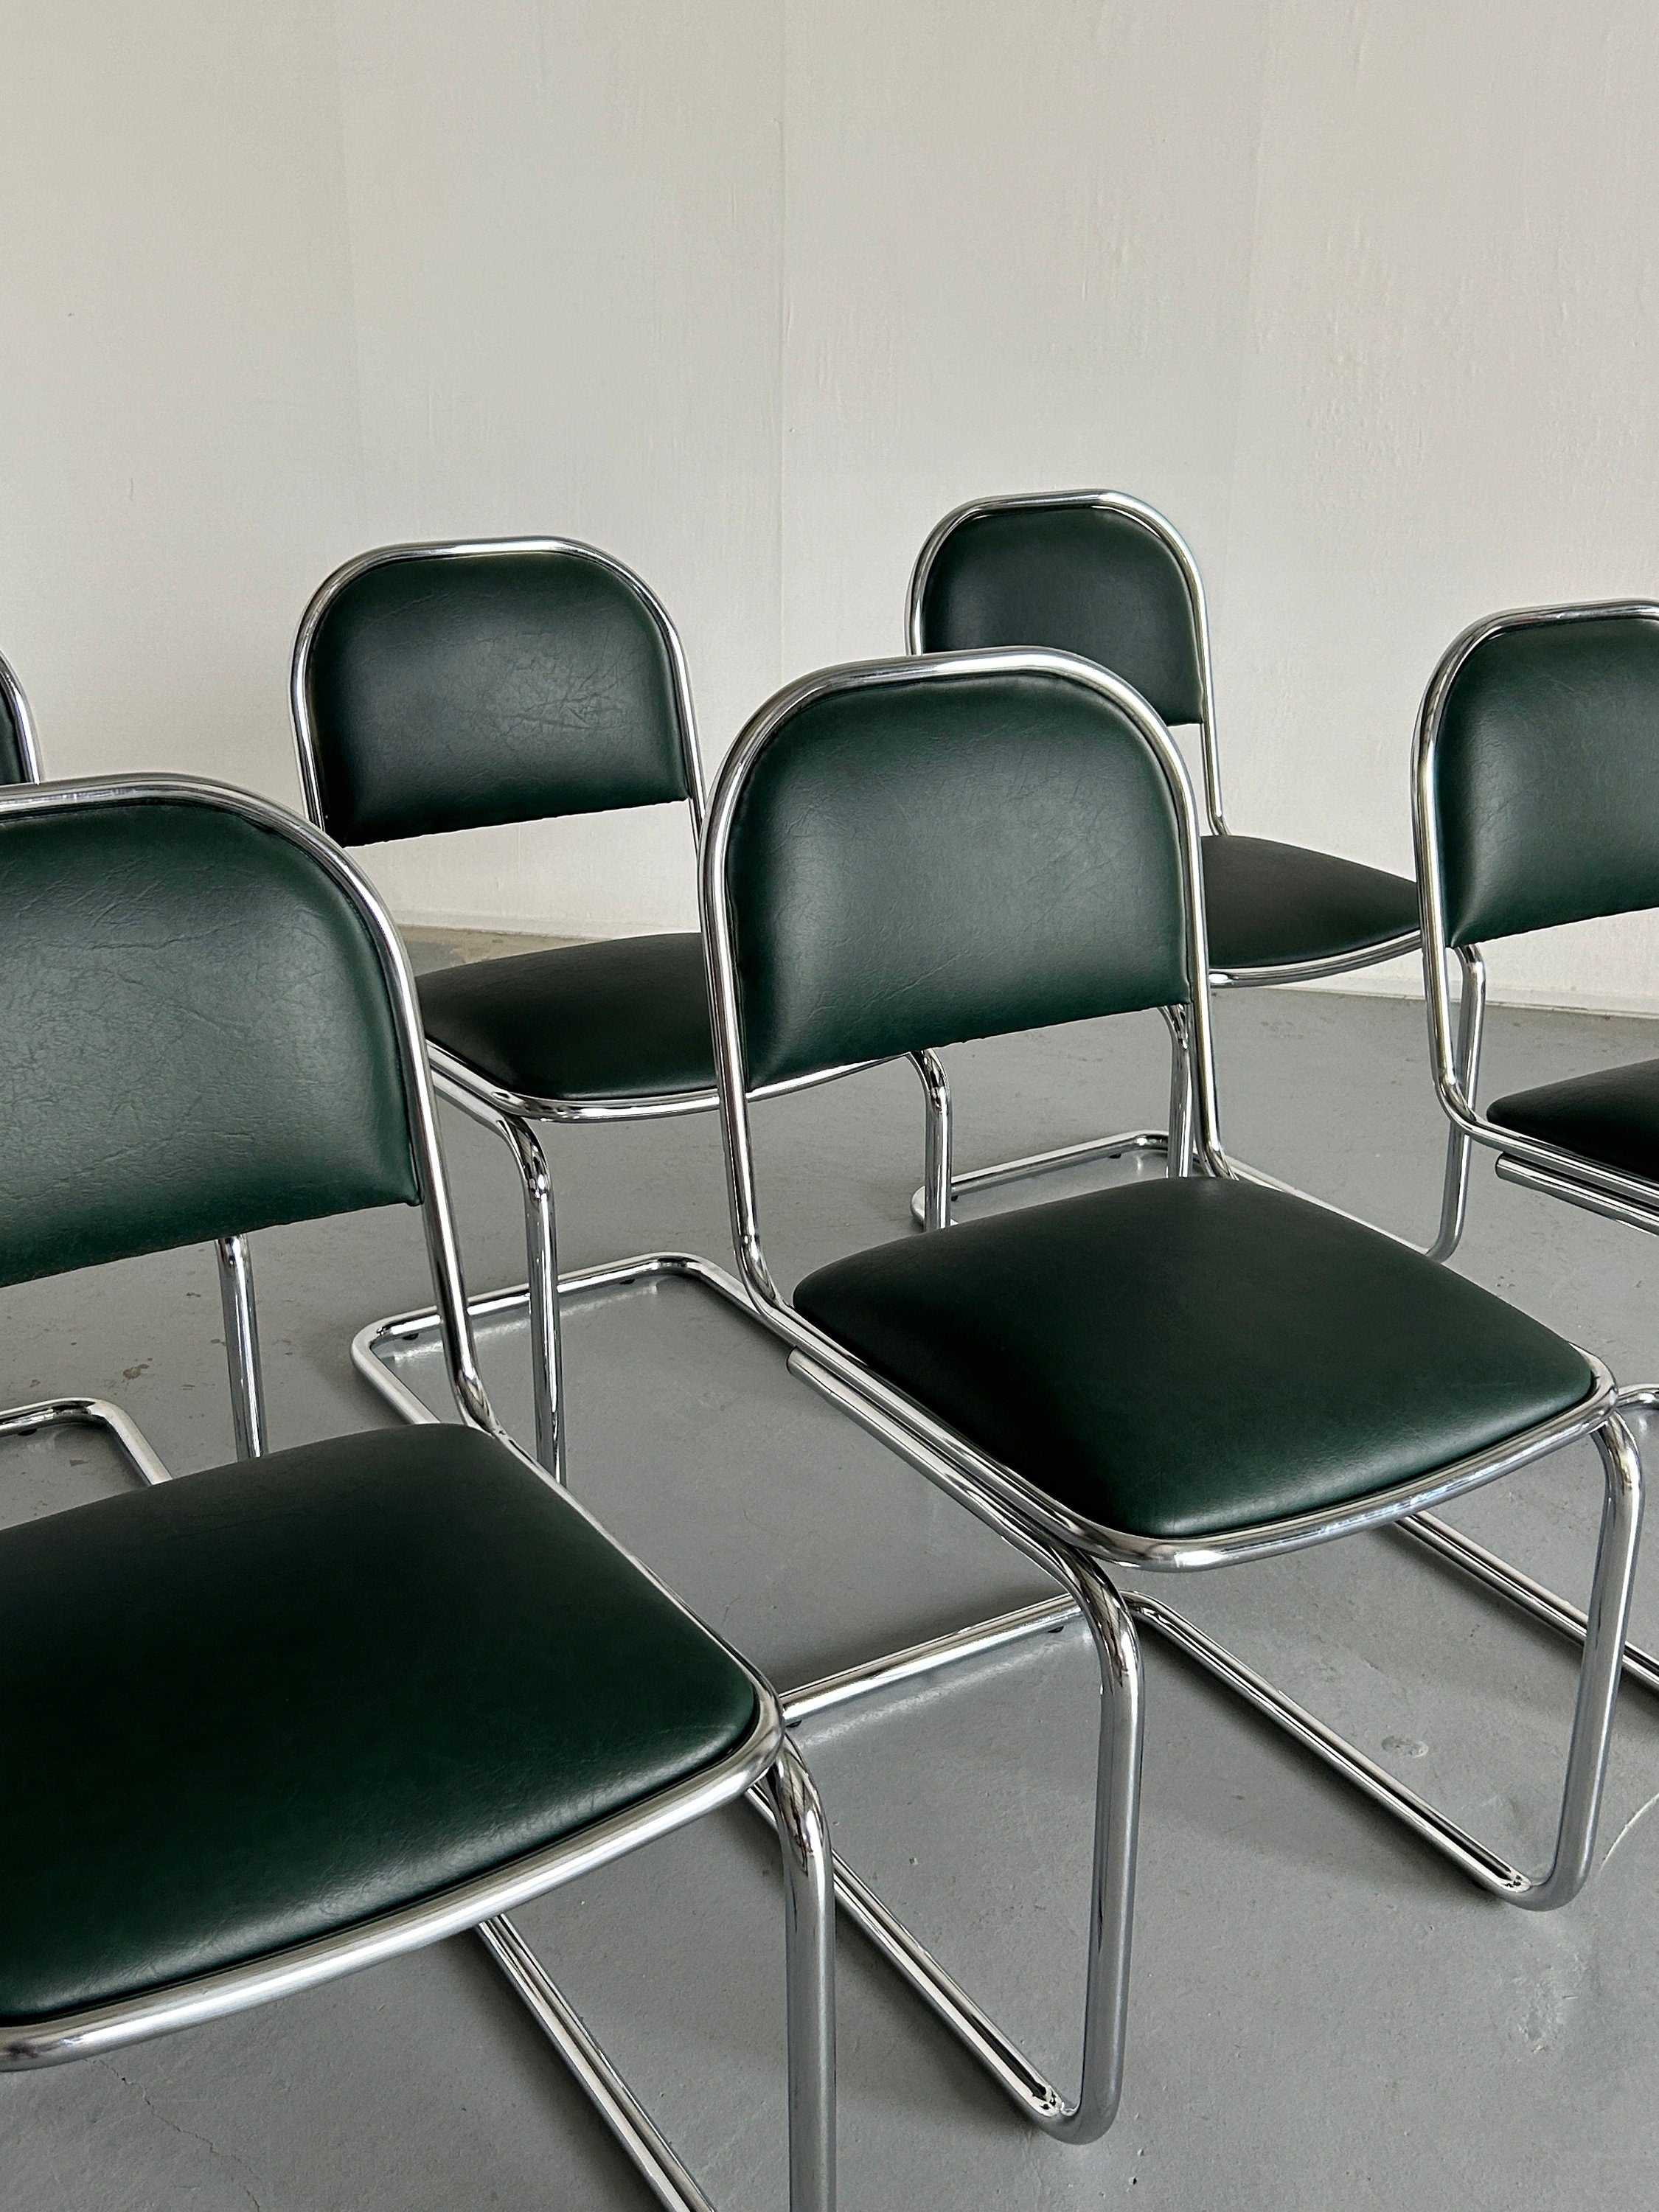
x=451 y=690
x=199 y=1037
x=928 y=857
x=11 y=749
x=1074 y=578
x=1546 y=776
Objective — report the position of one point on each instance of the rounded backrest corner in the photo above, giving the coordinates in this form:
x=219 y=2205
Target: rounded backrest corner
x=920 y=854
x=454 y=687
x=1086 y=574
x=213 y=1044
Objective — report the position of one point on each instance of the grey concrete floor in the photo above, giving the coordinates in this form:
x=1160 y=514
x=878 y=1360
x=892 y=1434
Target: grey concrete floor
x=1321 y=2013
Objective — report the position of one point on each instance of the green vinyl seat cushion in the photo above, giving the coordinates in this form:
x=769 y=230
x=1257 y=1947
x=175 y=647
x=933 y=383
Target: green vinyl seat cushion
x=1274 y=906
x=1173 y=1359
x=257 y=1704
x=625 y=1019
x=1612 y=1116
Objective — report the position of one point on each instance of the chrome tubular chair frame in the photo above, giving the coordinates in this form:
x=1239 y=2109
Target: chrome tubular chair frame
x=14 y=700
x=763 y=1765
x=1077 y=1553
x=511 y=1116
x=1153 y=1142
x=1530 y=1161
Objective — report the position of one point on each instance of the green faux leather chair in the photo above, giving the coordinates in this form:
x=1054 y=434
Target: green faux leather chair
x=447 y=686
x=1536 y=803
x=390 y=1685
x=20 y=763
x=1100 y=574
x=1172 y=1375
x=19 y=757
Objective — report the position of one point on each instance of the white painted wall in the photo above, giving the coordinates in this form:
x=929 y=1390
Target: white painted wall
x=179 y=428
x=565 y=224
x=749 y=291
x=1446 y=397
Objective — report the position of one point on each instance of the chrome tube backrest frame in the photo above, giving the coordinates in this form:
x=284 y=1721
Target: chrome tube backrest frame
x=16 y=702
x=463 y=549
x=1460 y=1109
x=1134 y=510
x=443 y=1248
x=917 y=673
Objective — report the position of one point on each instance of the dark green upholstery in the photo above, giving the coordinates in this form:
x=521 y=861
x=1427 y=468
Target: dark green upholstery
x=1169 y=1359
x=1273 y=905
x=11 y=745
x=1546 y=778
x=625 y=1019
x=199 y=1038
x=447 y=692
x=1086 y=580
x=913 y=863
x=1079 y=580
x=260 y=1704
x=1612 y=1116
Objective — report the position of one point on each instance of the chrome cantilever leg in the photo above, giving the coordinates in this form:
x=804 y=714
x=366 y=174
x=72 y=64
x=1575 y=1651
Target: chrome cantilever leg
x=1116 y=1826
x=1471 y=1026
x=1507 y=1581
x=1435 y=1535
x=247 y=1395
x=1461 y=1552
x=1112 y=1914
x=542 y=1291
x=809 y=1917
x=1182 y=1106
x=936 y=1184
x=540 y=1297
x=539 y=1294
x=1592 y=1721
x=1110 y=1619
x=797 y=1816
